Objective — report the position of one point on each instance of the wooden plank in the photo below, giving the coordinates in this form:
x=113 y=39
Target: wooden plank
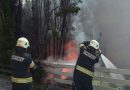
x=104 y=79
x=116 y=71
x=114 y=81
x=68 y=74
x=69 y=82
x=104 y=88
x=5 y=71
x=101 y=69
x=59 y=64
x=5 y=66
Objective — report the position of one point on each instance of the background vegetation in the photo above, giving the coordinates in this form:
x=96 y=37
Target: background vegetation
x=47 y=27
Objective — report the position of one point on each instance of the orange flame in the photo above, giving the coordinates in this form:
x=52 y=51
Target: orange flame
x=71 y=54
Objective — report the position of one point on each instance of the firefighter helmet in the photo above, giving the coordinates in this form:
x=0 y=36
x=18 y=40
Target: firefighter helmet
x=94 y=44
x=22 y=42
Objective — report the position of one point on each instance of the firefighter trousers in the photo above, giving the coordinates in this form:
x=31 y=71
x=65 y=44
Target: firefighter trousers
x=19 y=86
x=82 y=82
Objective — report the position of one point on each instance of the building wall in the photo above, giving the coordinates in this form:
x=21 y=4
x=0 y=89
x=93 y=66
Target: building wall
x=113 y=20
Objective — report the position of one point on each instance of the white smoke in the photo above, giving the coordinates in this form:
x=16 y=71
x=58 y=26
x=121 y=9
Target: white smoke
x=24 y=2
x=26 y=15
x=85 y=28
x=84 y=23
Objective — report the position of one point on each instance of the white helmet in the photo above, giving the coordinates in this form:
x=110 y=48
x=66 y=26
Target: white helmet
x=22 y=42
x=94 y=44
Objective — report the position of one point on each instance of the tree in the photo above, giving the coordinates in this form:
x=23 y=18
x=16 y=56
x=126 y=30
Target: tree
x=7 y=29
x=46 y=25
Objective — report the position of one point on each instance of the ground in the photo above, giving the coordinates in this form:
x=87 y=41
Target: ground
x=5 y=84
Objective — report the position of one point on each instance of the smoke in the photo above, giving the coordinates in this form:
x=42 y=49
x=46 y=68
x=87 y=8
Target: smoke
x=85 y=28
x=26 y=15
x=84 y=23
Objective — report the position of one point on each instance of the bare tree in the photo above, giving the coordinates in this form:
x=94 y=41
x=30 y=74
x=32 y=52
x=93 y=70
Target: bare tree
x=51 y=20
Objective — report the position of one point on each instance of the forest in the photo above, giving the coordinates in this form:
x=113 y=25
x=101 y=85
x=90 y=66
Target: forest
x=45 y=23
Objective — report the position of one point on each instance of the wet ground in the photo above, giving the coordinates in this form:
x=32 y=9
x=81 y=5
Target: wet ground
x=5 y=84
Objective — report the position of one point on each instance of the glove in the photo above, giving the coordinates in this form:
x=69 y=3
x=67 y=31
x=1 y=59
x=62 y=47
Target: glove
x=86 y=43
x=98 y=52
x=37 y=73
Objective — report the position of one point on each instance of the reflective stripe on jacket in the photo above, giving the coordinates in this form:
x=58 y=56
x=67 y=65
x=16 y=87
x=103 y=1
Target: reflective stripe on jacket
x=21 y=80
x=84 y=70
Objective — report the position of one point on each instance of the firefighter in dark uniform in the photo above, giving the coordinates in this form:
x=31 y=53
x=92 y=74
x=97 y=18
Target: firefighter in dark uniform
x=21 y=63
x=84 y=68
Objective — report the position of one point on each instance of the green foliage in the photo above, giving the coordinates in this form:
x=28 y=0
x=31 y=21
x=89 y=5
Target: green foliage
x=55 y=33
x=67 y=10
x=7 y=30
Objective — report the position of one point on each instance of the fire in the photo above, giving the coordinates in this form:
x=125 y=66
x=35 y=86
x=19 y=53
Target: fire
x=71 y=54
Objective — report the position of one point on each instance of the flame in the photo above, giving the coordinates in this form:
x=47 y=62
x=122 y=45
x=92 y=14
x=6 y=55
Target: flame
x=65 y=70
x=71 y=54
x=46 y=81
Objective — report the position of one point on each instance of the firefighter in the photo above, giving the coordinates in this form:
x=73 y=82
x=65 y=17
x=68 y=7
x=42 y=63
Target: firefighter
x=84 y=68
x=21 y=63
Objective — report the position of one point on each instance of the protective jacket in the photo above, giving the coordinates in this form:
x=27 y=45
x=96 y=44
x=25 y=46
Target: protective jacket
x=88 y=56
x=84 y=68
x=21 y=64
